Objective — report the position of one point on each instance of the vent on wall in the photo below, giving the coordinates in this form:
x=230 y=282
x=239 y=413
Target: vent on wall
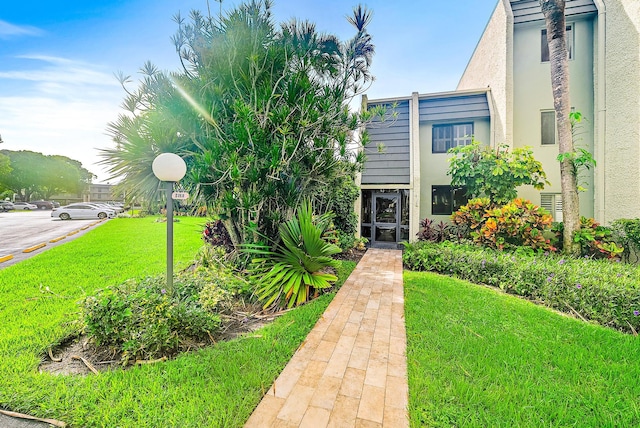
x=552 y=202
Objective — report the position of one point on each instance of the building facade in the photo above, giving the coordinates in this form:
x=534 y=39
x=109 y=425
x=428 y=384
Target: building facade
x=407 y=159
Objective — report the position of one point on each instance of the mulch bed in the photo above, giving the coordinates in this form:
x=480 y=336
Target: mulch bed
x=80 y=356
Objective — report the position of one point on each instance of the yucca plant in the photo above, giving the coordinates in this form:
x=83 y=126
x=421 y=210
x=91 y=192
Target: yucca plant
x=292 y=272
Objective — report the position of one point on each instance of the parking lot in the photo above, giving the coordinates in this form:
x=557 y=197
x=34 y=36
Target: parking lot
x=26 y=230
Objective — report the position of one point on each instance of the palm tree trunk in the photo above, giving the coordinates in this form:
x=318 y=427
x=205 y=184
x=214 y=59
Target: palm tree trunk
x=553 y=11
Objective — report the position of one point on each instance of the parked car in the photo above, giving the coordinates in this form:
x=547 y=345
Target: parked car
x=6 y=206
x=82 y=211
x=117 y=208
x=95 y=204
x=24 y=206
x=43 y=205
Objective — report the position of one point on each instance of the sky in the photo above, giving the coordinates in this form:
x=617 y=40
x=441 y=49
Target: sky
x=58 y=59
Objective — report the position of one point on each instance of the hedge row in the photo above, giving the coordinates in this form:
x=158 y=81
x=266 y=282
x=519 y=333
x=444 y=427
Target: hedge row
x=602 y=291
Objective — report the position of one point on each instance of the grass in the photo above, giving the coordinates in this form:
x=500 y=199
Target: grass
x=217 y=386
x=479 y=358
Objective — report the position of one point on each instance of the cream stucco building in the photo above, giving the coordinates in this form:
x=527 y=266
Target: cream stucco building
x=504 y=97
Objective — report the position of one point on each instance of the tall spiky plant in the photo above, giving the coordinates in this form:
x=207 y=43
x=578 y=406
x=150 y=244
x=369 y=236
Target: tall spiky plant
x=293 y=272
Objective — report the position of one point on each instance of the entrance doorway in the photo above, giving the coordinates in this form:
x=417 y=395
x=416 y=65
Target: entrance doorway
x=386 y=213
x=385 y=217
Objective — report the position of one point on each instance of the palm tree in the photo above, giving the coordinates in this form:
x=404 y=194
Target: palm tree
x=553 y=11
x=259 y=111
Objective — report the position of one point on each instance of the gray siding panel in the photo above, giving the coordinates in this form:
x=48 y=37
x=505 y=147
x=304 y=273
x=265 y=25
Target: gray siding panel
x=381 y=176
x=391 y=166
x=395 y=130
x=454 y=108
x=529 y=10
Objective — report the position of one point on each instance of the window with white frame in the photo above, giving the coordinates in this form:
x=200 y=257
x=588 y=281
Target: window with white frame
x=552 y=202
x=544 y=45
x=445 y=137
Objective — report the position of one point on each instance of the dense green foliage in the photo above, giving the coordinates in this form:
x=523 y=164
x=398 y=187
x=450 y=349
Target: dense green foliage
x=494 y=172
x=593 y=239
x=31 y=174
x=518 y=223
x=627 y=233
x=599 y=290
x=295 y=270
x=140 y=319
x=259 y=112
x=478 y=358
x=216 y=386
x=340 y=200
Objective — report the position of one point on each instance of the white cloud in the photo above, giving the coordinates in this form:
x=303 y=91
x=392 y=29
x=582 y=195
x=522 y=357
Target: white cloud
x=61 y=71
x=68 y=113
x=11 y=30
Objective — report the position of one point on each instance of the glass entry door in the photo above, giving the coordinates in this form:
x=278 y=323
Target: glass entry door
x=386 y=218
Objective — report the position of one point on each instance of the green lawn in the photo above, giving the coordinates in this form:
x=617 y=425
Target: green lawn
x=480 y=358
x=218 y=386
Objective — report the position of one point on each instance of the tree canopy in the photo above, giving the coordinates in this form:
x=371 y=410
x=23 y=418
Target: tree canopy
x=259 y=112
x=34 y=174
x=494 y=172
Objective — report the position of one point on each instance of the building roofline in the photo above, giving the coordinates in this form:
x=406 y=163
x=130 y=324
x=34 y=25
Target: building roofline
x=509 y=17
x=446 y=94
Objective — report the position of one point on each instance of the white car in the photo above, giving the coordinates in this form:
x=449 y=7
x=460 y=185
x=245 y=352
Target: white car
x=24 y=206
x=99 y=204
x=82 y=211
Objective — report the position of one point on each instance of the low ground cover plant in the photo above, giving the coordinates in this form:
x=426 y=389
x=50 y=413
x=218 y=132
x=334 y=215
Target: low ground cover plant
x=140 y=319
x=597 y=290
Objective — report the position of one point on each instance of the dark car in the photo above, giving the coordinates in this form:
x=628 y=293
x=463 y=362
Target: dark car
x=43 y=205
x=6 y=206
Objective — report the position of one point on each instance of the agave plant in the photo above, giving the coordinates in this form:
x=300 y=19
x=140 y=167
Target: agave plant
x=294 y=270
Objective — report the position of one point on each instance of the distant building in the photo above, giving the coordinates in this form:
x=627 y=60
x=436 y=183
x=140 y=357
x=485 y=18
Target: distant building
x=95 y=193
x=505 y=97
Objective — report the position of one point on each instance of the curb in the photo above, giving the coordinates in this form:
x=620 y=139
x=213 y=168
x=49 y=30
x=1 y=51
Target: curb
x=35 y=247
x=54 y=240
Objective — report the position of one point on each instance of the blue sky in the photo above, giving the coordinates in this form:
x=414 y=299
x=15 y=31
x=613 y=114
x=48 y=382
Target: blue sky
x=58 y=58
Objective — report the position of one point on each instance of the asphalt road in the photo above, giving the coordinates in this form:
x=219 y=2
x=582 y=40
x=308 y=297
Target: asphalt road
x=23 y=230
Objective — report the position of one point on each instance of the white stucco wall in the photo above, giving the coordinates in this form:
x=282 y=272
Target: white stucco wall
x=621 y=153
x=490 y=66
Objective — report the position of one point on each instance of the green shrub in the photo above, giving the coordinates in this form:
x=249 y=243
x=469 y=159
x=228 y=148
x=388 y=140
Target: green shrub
x=294 y=271
x=599 y=290
x=143 y=321
x=595 y=241
x=346 y=241
x=626 y=232
x=472 y=214
x=516 y=224
x=223 y=287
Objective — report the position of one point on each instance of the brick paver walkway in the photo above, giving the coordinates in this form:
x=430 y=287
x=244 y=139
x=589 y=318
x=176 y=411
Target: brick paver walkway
x=351 y=371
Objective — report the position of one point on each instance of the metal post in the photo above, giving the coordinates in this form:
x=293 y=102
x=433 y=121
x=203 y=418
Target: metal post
x=169 y=237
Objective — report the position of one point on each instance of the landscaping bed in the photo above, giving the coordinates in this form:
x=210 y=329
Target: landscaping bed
x=216 y=385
